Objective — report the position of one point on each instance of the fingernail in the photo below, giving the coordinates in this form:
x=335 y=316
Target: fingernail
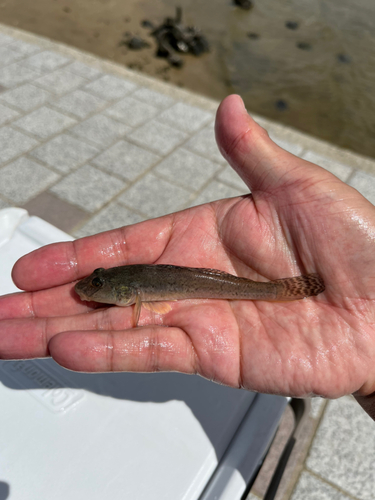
x=243 y=104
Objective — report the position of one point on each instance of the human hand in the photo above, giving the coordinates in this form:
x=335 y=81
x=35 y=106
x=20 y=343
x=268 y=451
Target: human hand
x=299 y=219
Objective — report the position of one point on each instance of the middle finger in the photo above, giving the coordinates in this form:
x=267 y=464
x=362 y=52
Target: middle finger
x=25 y=338
x=59 y=301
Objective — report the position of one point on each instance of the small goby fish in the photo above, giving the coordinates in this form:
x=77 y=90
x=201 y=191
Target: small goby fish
x=152 y=285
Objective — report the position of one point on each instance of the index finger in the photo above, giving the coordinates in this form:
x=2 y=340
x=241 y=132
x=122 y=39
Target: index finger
x=60 y=263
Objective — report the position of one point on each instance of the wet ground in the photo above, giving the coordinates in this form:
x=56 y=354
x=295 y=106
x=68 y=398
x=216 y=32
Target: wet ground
x=305 y=63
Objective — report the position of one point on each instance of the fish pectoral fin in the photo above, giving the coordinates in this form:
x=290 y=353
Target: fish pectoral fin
x=137 y=310
x=157 y=307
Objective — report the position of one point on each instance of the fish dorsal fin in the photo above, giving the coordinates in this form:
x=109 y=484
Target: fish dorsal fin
x=202 y=271
x=157 y=307
x=214 y=272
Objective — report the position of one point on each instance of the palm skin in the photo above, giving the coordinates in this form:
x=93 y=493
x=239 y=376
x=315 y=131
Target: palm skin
x=299 y=219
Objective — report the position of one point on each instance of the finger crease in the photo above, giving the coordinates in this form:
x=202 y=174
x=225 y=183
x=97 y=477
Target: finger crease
x=31 y=305
x=155 y=352
x=110 y=351
x=43 y=337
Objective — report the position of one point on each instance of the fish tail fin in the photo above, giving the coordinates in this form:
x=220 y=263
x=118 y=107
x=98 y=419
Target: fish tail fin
x=299 y=287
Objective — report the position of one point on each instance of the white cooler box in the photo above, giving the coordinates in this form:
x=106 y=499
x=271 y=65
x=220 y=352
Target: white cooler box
x=66 y=435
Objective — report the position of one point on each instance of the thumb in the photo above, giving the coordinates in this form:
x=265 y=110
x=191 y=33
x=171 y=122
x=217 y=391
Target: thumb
x=261 y=163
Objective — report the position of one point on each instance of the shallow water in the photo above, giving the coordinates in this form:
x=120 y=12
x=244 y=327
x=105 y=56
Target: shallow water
x=318 y=77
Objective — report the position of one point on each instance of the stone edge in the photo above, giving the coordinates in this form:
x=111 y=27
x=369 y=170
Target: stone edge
x=307 y=142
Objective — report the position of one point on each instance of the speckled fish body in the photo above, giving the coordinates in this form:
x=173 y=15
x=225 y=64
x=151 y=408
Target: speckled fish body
x=147 y=284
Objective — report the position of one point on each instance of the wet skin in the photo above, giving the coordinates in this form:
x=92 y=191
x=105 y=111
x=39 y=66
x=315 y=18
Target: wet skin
x=299 y=219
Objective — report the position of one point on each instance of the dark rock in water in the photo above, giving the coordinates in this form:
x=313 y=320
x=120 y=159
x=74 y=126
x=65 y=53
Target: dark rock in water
x=134 y=42
x=292 y=25
x=281 y=105
x=253 y=36
x=182 y=46
x=147 y=24
x=304 y=46
x=172 y=36
x=163 y=50
x=244 y=4
x=175 y=60
x=343 y=58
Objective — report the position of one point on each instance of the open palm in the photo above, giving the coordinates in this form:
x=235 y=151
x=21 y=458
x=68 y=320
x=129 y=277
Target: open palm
x=299 y=219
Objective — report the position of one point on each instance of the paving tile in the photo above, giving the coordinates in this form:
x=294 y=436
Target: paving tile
x=83 y=70
x=125 y=160
x=110 y=87
x=160 y=138
x=3 y=204
x=216 y=191
x=204 y=143
x=157 y=99
x=110 y=217
x=15 y=74
x=88 y=188
x=7 y=114
x=64 y=153
x=154 y=196
x=27 y=49
x=56 y=211
x=338 y=169
x=292 y=147
x=13 y=143
x=187 y=169
x=365 y=184
x=185 y=117
x=343 y=451
x=26 y=97
x=132 y=112
x=100 y=130
x=60 y=81
x=8 y=55
x=79 y=104
x=310 y=487
x=23 y=179
x=229 y=176
x=44 y=122
x=46 y=61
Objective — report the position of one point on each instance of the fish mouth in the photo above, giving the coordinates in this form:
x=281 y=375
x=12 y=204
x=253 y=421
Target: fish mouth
x=88 y=293
x=80 y=294
x=79 y=289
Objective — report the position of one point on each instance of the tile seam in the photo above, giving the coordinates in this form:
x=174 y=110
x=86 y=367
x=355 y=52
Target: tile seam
x=329 y=483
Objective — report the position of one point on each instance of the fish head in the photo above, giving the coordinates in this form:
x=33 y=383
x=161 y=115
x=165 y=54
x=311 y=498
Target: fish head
x=100 y=286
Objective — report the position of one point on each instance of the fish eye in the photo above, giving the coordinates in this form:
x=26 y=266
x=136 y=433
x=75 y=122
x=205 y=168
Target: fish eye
x=97 y=282
x=99 y=270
